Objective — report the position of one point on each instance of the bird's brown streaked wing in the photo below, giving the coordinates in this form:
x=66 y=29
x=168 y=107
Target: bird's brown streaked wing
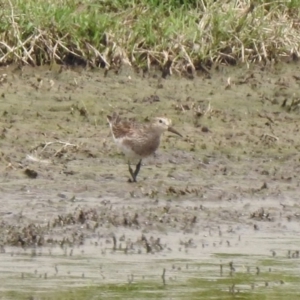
x=122 y=129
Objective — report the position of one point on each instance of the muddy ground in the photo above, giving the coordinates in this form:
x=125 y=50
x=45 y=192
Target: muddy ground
x=229 y=187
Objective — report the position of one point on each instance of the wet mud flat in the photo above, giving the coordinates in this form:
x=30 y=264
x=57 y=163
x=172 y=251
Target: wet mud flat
x=218 y=210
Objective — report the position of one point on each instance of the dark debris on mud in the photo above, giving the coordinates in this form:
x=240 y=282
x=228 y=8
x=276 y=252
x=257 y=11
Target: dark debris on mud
x=75 y=228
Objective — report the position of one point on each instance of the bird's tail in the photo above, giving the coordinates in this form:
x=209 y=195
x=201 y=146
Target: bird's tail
x=114 y=118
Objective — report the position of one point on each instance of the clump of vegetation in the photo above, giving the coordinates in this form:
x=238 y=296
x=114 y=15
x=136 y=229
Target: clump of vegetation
x=185 y=34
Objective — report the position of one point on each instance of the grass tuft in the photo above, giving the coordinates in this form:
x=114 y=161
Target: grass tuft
x=189 y=34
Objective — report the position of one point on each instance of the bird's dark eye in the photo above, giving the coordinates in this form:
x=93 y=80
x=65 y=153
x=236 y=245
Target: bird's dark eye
x=160 y=121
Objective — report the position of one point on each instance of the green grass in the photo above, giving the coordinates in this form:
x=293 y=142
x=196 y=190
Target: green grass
x=144 y=33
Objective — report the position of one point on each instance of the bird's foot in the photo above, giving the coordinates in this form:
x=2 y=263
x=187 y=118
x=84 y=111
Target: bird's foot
x=131 y=180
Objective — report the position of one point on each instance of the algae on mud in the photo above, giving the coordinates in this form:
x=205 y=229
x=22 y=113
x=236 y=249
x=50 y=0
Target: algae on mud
x=241 y=284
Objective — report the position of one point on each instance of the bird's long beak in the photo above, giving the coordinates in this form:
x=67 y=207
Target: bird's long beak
x=171 y=129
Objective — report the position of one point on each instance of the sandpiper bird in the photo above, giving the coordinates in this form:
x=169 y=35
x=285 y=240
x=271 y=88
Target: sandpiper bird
x=138 y=141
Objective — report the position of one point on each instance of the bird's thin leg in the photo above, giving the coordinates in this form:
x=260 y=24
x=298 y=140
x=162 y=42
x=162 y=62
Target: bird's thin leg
x=131 y=173
x=137 y=169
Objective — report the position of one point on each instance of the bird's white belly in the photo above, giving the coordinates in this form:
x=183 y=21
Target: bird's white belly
x=128 y=152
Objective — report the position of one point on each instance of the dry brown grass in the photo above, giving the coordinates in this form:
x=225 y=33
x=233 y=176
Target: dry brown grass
x=142 y=34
